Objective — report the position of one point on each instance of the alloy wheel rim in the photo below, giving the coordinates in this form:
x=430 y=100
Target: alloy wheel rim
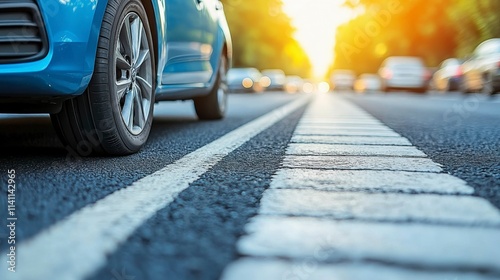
x=134 y=77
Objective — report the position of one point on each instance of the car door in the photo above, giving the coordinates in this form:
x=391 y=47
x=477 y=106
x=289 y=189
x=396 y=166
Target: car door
x=187 y=50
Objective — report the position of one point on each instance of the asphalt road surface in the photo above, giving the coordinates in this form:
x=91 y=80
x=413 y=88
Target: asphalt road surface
x=325 y=186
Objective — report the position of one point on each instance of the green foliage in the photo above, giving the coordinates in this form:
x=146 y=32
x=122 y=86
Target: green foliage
x=432 y=30
x=263 y=37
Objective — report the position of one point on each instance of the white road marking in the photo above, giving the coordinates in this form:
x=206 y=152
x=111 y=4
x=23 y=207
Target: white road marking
x=327 y=204
x=273 y=269
x=375 y=127
x=345 y=132
x=78 y=245
x=353 y=150
x=332 y=121
x=350 y=140
x=432 y=246
x=370 y=181
x=361 y=163
x=463 y=210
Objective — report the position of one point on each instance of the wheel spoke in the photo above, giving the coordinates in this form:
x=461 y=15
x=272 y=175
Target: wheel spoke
x=145 y=85
x=128 y=108
x=121 y=62
x=122 y=87
x=143 y=56
x=141 y=118
x=126 y=37
x=136 y=32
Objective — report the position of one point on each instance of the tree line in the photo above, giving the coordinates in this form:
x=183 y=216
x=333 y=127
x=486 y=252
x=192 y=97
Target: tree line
x=263 y=37
x=434 y=30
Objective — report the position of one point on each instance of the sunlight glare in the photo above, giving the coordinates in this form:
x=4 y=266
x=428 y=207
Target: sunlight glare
x=316 y=22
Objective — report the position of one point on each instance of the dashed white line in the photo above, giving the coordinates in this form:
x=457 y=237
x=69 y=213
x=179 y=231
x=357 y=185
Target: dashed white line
x=312 y=268
x=350 y=150
x=433 y=246
x=427 y=208
x=370 y=181
x=350 y=140
x=362 y=163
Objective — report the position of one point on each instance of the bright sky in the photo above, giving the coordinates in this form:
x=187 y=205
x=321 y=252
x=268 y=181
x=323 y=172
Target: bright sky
x=316 y=22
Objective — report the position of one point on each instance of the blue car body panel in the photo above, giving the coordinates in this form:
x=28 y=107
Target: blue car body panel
x=72 y=29
x=190 y=37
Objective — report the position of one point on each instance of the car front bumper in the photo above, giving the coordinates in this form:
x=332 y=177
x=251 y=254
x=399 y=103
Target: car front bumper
x=65 y=69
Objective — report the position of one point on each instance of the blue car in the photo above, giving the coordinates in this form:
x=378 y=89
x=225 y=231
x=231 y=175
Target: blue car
x=98 y=67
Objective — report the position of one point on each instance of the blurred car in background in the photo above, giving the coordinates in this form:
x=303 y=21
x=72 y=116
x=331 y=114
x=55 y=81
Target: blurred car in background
x=481 y=72
x=448 y=77
x=273 y=79
x=98 y=67
x=244 y=80
x=367 y=83
x=293 y=84
x=342 y=80
x=404 y=73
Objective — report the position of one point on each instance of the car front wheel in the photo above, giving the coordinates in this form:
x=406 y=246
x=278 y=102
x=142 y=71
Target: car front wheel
x=114 y=115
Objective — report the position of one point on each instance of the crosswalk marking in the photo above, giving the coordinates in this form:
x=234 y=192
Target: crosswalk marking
x=350 y=150
x=312 y=268
x=362 y=163
x=351 y=140
x=433 y=246
x=344 y=202
x=369 y=181
x=396 y=207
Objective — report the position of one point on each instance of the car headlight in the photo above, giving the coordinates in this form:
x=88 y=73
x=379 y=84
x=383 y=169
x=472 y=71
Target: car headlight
x=265 y=81
x=247 y=83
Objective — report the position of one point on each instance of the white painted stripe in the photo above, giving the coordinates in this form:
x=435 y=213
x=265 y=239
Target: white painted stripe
x=394 y=207
x=313 y=269
x=362 y=163
x=343 y=126
x=434 y=246
x=77 y=246
x=371 y=181
x=353 y=150
x=346 y=132
x=327 y=121
x=351 y=140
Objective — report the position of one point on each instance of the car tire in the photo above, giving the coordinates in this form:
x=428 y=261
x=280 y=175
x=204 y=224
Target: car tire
x=488 y=87
x=464 y=88
x=115 y=113
x=448 y=87
x=421 y=90
x=214 y=105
